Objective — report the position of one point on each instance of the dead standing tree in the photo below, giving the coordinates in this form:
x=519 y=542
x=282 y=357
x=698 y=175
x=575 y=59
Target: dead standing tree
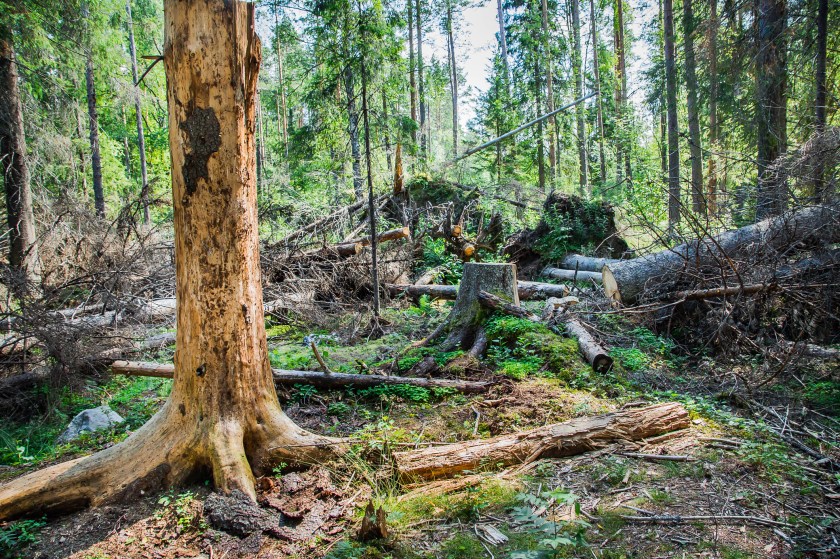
x=223 y=413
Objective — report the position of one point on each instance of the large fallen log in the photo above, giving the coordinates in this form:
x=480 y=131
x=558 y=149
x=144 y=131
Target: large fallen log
x=528 y=290
x=314 y=378
x=572 y=275
x=586 y=263
x=552 y=441
x=625 y=280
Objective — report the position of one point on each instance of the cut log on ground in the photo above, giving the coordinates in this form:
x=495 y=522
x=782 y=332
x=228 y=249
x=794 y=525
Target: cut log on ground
x=430 y=275
x=527 y=290
x=626 y=280
x=552 y=441
x=572 y=275
x=314 y=378
x=390 y=235
x=586 y=263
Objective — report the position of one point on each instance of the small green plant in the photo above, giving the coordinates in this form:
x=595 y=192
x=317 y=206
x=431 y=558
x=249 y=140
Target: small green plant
x=631 y=359
x=416 y=394
x=338 y=409
x=303 y=393
x=554 y=535
x=17 y=535
x=182 y=509
x=520 y=369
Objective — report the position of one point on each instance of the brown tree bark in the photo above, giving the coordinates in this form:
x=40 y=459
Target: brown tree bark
x=283 y=117
x=23 y=244
x=223 y=414
x=421 y=93
x=821 y=190
x=771 y=104
x=93 y=122
x=577 y=71
x=596 y=70
x=141 y=137
x=412 y=81
x=698 y=200
x=549 y=90
x=453 y=78
x=674 y=203
x=712 y=184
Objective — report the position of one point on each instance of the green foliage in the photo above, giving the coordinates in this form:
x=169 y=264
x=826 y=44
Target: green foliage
x=631 y=359
x=17 y=535
x=183 y=509
x=416 y=355
x=569 y=234
x=554 y=535
x=338 y=409
x=407 y=392
x=824 y=395
x=518 y=370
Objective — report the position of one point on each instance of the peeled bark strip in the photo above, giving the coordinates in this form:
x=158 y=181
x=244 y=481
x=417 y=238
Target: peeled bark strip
x=329 y=381
x=552 y=441
x=528 y=290
x=572 y=275
x=586 y=263
x=594 y=352
x=624 y=281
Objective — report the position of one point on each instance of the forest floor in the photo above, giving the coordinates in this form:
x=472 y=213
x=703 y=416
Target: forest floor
x=597 y=504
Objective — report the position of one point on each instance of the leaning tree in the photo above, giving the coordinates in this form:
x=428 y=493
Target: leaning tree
x=223 y=414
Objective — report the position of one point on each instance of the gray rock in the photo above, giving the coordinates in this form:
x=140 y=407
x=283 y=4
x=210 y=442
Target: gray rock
x=88 y=421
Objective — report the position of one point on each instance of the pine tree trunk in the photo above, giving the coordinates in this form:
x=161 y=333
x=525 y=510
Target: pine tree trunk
x=549 y=89
x=93 y=123
x=283 y=116
x=698 y=201
x=577 y=70
x=141 y=138
x=602 y=160
x=453 y=81
x=623 y=146
x=540 y=130
x=771 y=104
x=386 y=137
x=421 y=94
x=674 y=203
x=712 y=186
x=821 y=190
x=23 y=243
x=412 y=81
x=222 y=415
x=503 y=43
x=353 y=131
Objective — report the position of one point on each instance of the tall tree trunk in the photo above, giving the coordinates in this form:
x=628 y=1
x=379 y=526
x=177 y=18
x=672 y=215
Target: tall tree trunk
x=540 y=130
x=503 y=43
x=283 y=116
x=698 y=201
x=820 y=100
x=421 y=94
x=260 y=144
x=80 y=134
x=222 y=415
x=577 y=70
x=93 y=120
x=712 y=186
x=453 y=79
x=412 y=81
x=374 y=267
x=771 y=104
x=549 y=85
x=602 y=160
x=353 y=130
x=623 y=147
x=386 y=137
x=23 y=244
x=674 y=203
x=138 y=111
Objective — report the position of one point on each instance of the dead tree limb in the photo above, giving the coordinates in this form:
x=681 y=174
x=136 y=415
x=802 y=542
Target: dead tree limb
x=552 y=441
x=572 y=275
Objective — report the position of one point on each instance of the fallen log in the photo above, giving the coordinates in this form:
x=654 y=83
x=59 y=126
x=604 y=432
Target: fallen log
x=430 y=275
x=594 y=352
x=314 y=378
x=495 y=303
x=528 y=290
x=586 y=263
x=390 y=235
x=700 y=294
x=625 y=280
x=552 y=441
x=572 y=275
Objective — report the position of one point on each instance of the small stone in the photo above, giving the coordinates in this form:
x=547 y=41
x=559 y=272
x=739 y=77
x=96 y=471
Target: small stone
x=89 y=421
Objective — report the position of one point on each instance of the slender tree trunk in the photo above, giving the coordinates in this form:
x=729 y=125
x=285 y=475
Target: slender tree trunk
x=260 y=144
x=820 y=101
x=540 y=130
x=93 y=123
x=412 y=81
x=712 y=186
x=618 y=41
x=771 y=104
x=698 y=201
x=421 y=95
x=23 y=243
x=283 y=116
x=674 y=203
x=602 y=160
x=126 y=147
x=549 y=85
x=577 y=70
x=353 y=130
x=503 y=43
x=386 y=136
x=80 y=134
x=453 y=80
x=374 y=268
x=138 y=111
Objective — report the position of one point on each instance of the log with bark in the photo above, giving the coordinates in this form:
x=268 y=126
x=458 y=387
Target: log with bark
x=586 y=263
x=552 y=441
x=572 y=275
x=625 y=280
x=527 y=290
x=390 y=235
x=329 y=381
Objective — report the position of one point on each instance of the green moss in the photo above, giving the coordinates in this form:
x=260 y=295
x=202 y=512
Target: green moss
x=491 y=496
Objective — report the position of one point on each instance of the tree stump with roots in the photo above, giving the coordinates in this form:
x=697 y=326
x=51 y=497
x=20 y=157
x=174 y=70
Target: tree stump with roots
x=464 y=328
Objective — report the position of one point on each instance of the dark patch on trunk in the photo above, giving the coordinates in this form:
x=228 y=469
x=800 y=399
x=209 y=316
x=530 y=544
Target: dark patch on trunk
x=154 y=480
x=203 y=134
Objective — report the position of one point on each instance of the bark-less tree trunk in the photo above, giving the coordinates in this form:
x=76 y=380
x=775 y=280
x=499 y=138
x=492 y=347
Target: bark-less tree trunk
x=771 y=104
x=223 y=414
x=602 y=160
x=23 y=244
x=674 y=203
x=577 y=70
x=421 y=94
x=93 y=121
x=453 y=79
x=138 y=111
x=712 y=186
x=549 y=92
x=698 y=201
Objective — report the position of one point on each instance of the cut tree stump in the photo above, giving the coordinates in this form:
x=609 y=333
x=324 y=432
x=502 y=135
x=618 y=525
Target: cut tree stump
x=314 y=378
x=552 y=441
x=625 y=280
x=572 y=275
